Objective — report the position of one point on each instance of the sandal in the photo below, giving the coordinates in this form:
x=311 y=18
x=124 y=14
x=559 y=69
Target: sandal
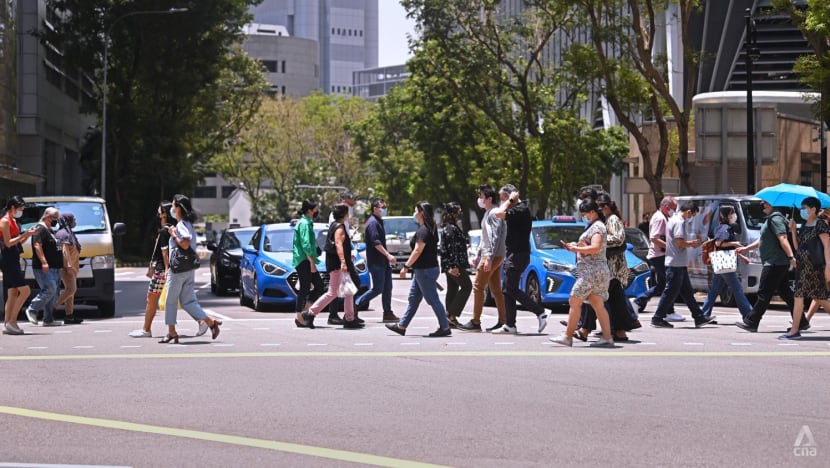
x=580 y=336
x=214 y=329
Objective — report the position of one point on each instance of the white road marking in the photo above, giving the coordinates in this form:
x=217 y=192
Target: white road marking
x=63 y=332
x=269 y=344
x=213 y=313
x=364 y=344
x=649 y=343
x=124 y=273
x=131 y=346
x=37 y=347
x=741 y=344
x=41 y=465
x=456 y=344
x=787 y=344
x=317 y=344
x=224 y=345
x=400 y=300
x=693 y=344
x=102 y=331
x=504 y=343
x=410 y=343
x=83 y=347
x=261 y=328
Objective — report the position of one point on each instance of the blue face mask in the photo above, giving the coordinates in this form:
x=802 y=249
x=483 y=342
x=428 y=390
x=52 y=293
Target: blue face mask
x=804 y=213
x=382 y=212
x=415 y=218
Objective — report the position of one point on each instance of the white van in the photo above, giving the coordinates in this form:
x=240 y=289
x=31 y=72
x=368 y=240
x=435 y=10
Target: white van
x=750 y=219
x=96 y=276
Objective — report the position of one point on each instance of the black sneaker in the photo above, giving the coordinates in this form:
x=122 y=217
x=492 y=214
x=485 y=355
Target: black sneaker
x=335 y=319
x=660 y=323
x=641 y=306
x=71 y=319
x=358 y=319
x=495 y=327
x=750 y=328
x=453 y=321
x=309 y=319
x=804 y=325
x=352 y=324
x=701 y=321
x=441 y=332
x=470 y=326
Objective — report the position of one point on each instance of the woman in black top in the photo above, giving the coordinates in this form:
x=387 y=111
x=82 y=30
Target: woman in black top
x=160 y=260
x=424 y=262
x=47 y=261
x=339 y=265
x=455 y=263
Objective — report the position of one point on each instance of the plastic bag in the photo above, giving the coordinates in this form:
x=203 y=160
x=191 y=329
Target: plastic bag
x=347 y=287
x=163 y=297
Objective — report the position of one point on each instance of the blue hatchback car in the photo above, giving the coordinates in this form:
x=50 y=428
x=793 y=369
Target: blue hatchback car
x=551 y=274
x=266 y=274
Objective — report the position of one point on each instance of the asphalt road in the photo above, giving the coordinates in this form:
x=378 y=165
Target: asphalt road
x=268 y=394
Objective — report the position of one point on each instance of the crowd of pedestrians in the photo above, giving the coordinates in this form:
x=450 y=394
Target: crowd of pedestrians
x=597 y=295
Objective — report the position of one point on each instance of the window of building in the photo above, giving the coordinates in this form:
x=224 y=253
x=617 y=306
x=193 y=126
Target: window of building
x=227 y=190
x=332 y=31
x=53 y=76
x=270 y=65
x=283 y=90
x=204 y=191
x=282 y=65
x=361 y=33
x=338 y=31
x=350 y=33
x=71 y=89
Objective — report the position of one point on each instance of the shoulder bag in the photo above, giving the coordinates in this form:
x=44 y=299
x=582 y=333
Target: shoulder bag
x=815 y=251
x=182 y=260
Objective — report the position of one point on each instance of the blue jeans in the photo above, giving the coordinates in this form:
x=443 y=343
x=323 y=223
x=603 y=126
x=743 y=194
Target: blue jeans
x=423 y=287
x=677 y=284
x=181 y=288
x=381 y=285
x=731 y=281
x=48 y=295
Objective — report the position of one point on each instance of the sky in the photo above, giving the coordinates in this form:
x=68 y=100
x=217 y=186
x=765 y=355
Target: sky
x=392 y=34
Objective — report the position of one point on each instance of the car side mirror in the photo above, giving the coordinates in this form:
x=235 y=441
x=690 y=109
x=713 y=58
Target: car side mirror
x=119 y=229
x=212 y=246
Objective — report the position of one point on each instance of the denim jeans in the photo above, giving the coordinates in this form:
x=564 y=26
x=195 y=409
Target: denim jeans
x=381 y=285
x=181 y=289
x=423 y=287
x=677 y=284
x=731 y=281
x=48 y=295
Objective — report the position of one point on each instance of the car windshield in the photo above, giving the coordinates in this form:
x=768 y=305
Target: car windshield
x=399 y=226
x=753 y=214
x=279 y=240
x=90 y=217
x=636 y=238
x=550 y=237
x=236 y=239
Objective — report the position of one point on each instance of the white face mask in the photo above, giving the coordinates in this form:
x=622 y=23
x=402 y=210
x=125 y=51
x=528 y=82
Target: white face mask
x=18 y=213
x=480 y=203
x=671 y=213
x=733 y=218
x=382 y=212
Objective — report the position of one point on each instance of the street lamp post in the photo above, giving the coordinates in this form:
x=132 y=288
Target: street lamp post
x=751 y=54
x=104 y=89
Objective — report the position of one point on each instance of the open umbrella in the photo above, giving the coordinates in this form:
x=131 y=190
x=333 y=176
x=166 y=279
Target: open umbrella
x=791 y=195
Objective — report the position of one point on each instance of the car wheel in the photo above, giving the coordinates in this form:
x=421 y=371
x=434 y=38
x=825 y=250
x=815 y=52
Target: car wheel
x=532 y=288
x=257 y=304
x=243 y=301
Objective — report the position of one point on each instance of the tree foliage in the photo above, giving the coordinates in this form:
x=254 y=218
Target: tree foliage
x=177 y=86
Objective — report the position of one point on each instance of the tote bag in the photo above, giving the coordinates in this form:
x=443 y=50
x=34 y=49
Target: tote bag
x=724 y=261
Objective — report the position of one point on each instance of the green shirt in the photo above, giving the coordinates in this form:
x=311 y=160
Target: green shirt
x=770 y=248
x=305 y=242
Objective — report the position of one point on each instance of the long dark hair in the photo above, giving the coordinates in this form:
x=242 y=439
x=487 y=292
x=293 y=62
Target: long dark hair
x=724 y=213
x=605 y=200
x=451 y=212
x=187 y=208
x=15 y=201
x=429 y=216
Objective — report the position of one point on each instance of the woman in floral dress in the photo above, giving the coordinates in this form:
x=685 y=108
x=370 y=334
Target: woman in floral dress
x=593 y=276
x=811 y=281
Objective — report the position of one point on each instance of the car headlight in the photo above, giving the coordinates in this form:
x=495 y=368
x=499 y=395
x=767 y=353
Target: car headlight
x=642 y=267
x=228 y=262
x=360 y=266
x=271 y=269
x=103 y=262
x=558 y=267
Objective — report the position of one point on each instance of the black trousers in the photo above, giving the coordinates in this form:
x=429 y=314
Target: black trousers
x=616 y=306
x=307 y=279
x=773 y=278
x=458 y=291
x=514 y=265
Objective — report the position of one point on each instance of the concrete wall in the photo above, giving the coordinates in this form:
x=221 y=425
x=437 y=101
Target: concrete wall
x=297 y=62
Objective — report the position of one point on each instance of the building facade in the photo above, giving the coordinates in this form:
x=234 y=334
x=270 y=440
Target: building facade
x=292 y=64
x=346 y=32
x=374 y=83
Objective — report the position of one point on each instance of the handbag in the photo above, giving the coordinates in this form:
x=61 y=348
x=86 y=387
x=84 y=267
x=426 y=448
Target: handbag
x=151 y=270
x=706 y=251
x=182 y=260
x=347 y=287
x=815 y=252
x=724 y=261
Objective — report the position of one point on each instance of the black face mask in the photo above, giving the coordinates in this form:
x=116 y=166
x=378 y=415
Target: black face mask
x=315 y=215
x=53 y=223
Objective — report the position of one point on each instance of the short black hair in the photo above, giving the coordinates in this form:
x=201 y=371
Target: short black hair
x=489 y=192
x=812 y=202
x=689 y=206
x=377 y=202
x=346 y=195
x=307 y=206
x=340 y=210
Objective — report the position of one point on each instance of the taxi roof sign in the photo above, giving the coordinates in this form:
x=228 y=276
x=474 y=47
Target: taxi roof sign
x=564 y=219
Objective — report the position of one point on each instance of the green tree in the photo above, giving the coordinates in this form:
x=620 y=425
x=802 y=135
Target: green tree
x=177 y=87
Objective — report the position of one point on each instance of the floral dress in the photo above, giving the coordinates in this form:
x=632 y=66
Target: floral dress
x=592 y=271
x=616 y=261
x=810 y=280
x=454 y=249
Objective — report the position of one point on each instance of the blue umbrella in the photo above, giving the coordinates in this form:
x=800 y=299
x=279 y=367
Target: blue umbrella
x=792 y=195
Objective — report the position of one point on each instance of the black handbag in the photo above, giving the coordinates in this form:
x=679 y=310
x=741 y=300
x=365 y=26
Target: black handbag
x=815 y=251
x=182 y=260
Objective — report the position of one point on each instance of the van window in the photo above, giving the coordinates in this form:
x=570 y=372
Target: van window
x=753 y=214
x=90 y=217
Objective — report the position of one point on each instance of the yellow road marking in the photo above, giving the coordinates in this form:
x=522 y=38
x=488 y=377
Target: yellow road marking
x=564 y=353
x=300 y=449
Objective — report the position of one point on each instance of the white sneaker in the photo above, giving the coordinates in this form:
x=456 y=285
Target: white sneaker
x=203 y=328
x=602 y=343
x=140 y=333
x=543 y=322
x=9 y=329
x=32 y=316
x=675 y=317
x=506 y=330
x=563 y=340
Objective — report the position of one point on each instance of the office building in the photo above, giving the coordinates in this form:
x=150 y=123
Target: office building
x=292 y=64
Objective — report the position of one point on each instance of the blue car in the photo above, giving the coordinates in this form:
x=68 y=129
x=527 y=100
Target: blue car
x=266 y=274
x=551 y=274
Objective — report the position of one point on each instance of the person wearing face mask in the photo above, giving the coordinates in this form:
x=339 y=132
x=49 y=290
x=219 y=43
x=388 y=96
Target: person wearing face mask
x=380 y=263
x=47 y=262
x=811 y=279
x=304 y=258
x=71 y=250
x=679 y=238
x=455 y=263
x=491 y=251
x=15 y=289
x=423 y=261
x=725 y=239
x=160 y=260
x=656 y=256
